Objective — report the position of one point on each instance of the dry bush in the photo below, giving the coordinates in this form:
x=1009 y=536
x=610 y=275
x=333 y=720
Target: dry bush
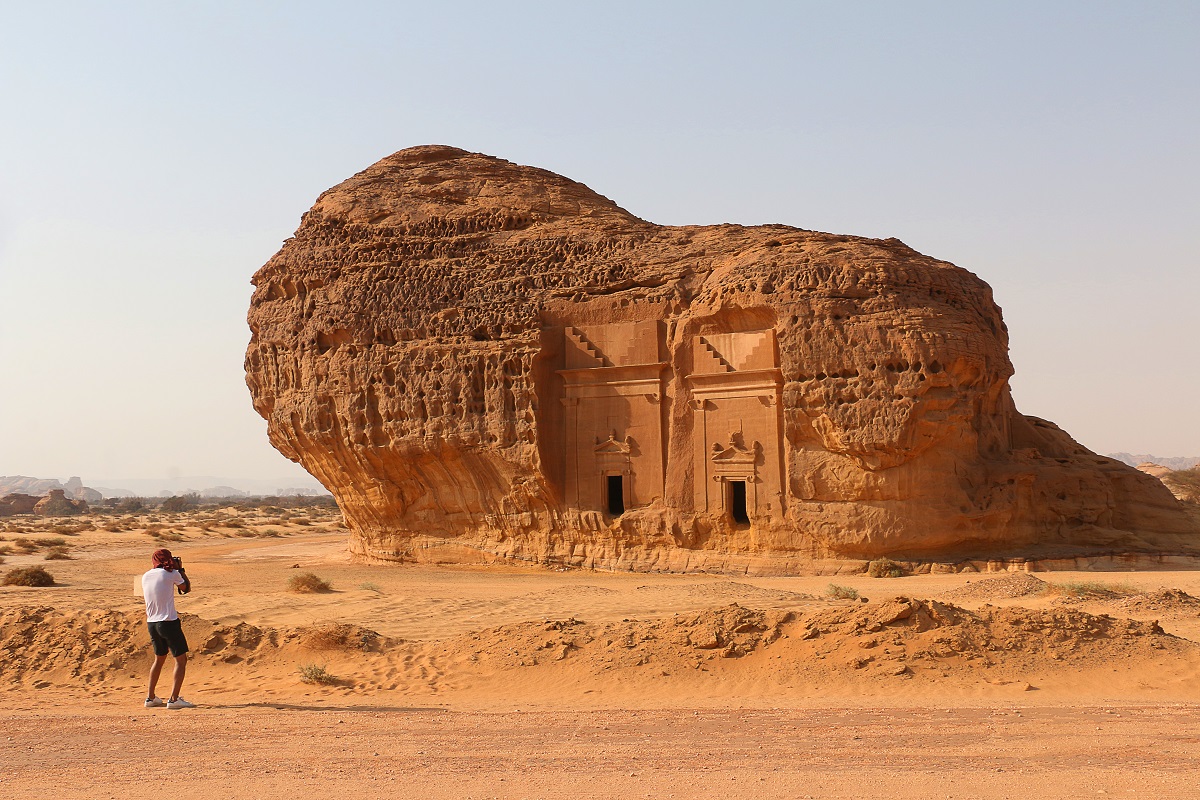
x=1092 y=590
x=49 y=541
x=301 y=521
x=268 y=532
x=25 y=545
x=153 y=527
x=316 y=673
x=5 y=549
x=233 y=523
x=58 y=554
x=841 y=592
x=113 y=527
x=308 y=583
x=884 y=568
x=71 y=530
x=28 y=576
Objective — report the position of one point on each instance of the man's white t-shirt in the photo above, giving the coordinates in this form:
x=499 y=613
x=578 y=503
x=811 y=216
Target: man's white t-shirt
x=158 y=587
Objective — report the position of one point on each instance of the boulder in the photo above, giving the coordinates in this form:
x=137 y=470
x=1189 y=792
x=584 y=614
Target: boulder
x=483 y=360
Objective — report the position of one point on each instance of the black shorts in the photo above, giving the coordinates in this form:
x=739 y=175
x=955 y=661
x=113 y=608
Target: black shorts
x=167 y=635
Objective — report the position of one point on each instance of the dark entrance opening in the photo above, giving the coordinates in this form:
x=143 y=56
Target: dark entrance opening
x=616 y=495
x=737 y=502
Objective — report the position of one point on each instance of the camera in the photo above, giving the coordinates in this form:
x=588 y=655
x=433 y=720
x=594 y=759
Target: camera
x=177 y=562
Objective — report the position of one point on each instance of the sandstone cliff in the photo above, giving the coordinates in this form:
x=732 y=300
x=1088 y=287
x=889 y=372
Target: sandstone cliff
x=480 y=359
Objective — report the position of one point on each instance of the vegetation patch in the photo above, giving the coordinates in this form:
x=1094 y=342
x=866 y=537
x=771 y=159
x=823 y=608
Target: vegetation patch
x=308 y=583
x=841 y=592
x=884 y=568
x=1093 y=590
x=316 y=673
x=58 y=554
x=28 y=576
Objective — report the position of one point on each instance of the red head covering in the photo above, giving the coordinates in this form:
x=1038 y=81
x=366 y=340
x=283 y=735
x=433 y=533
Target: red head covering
x=162 y=558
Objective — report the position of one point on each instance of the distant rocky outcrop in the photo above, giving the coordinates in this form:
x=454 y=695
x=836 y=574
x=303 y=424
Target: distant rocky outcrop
x=39 y=487
x=57 y=504
x=17 y=503
x=484 y=360
x=1174 y=463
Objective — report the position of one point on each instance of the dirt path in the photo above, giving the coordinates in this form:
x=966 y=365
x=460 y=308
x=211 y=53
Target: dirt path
x=98 y=750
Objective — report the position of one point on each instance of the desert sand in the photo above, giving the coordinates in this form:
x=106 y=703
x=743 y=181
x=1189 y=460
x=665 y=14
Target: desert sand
x=522 y=681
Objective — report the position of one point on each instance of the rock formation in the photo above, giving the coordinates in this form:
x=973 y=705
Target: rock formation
x=17 y=503
x=481 y=360
x=57 y=504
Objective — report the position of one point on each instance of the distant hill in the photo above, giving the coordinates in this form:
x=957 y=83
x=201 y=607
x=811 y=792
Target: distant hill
x=204 y=485
x=1175 y=462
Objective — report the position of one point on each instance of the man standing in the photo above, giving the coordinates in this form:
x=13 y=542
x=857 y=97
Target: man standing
x=158 y=589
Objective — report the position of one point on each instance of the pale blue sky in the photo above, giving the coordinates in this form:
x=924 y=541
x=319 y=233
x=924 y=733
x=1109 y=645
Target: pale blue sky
x=154 y=155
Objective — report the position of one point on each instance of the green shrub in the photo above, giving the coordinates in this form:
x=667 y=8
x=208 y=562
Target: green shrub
x=841 y=592
x=308 y=583
x=316 y=673
x=884 y=568
x=28 y=576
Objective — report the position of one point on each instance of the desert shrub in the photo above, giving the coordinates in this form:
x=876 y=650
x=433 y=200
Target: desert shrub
x=70 y=530
x=58 y=554
x=5 y=549
x=884 y=568
x=316 y=673
x=130 y=505
x=153 y=527
x=370 y=587
x=28 y=576
x=49 y=541
x=233 y=523
x=1084 y=590
x=301 y=521
x=841 y=592
x=25 y=545
x=308 y=583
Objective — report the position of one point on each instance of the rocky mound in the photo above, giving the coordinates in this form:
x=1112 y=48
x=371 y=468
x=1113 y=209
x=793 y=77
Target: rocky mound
x=1162 y=601
x=483 y=360
x=1013 y=585
x=741 y=649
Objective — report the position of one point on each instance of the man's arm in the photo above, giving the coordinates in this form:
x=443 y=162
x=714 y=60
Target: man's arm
x=186 y=585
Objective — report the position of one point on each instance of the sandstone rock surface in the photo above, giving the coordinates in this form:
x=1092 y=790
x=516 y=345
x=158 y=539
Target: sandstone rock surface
x=483 y=360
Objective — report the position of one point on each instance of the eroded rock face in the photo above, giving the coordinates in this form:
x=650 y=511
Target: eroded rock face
x=480 y=359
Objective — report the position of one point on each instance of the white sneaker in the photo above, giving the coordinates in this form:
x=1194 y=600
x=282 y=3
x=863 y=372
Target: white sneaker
x=179 y=702
x=155 y=702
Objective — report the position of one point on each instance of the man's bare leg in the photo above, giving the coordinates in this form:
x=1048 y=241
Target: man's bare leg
x=155 y=671
x=180 y=669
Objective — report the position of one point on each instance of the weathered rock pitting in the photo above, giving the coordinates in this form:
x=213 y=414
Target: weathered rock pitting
x=483 y=360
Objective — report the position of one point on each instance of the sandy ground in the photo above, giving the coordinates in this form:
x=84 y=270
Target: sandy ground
x=518 y=681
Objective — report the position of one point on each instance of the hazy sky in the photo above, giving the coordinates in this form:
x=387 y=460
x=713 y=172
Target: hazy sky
x=154 y=155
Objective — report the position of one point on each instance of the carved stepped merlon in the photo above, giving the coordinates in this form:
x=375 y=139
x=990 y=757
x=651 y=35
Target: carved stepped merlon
x=582 y=354
x=708 y=359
